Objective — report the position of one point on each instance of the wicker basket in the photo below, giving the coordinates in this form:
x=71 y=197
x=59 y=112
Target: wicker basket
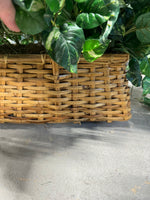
x=34 y=89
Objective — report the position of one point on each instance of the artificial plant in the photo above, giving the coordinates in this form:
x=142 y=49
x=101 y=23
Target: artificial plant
x=68 y=28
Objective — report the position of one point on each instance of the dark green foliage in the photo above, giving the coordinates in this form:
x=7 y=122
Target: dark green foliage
x=146 y=86
x=143 y=28
x=131 y=34
x=145 y=66
x=134 y=74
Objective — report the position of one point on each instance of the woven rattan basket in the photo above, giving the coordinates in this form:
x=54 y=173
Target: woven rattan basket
x=34 y=89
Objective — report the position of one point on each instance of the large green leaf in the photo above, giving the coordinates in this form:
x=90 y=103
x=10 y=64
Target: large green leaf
x=145 y=66
x=134 y=74
x=30 y=22
x=143 y=28
x=96 y=6
x=30 y=5
x=64 y=45
x=93 y=49
x=109 y=8
x=134 y=47
x=93 y=13
x=55 y=5
x=146 y=85
x=90 y=20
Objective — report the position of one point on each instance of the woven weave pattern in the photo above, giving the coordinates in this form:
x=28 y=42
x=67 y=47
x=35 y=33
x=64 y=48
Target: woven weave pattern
x=34 y=89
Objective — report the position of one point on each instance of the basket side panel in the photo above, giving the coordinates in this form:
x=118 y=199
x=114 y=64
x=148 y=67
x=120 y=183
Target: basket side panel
x=34 y=89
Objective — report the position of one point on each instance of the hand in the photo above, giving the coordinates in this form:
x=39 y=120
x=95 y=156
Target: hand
x=7 y=15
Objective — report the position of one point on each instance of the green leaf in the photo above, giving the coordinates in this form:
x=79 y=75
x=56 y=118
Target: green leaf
x=146 y=101
x=64 y=45
x=30 y=5
x=94 y=13
x=30 y=22
x=90 y=20
x=55 y=5
x=143 y=28
x=109 y=8
x=145 y=66
x=81 y=1
x=134 y=74
x=93 y=49
x=115 y=9
x=95 y=6
x=146 y=85
x=134 y=47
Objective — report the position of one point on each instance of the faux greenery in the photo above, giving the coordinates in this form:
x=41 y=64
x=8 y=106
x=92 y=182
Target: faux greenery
x=68 y=28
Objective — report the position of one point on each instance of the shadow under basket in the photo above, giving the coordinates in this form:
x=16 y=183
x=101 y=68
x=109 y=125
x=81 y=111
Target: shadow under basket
x=34 y=89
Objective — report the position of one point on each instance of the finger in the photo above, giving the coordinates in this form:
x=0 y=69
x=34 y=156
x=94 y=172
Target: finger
x=7 y=15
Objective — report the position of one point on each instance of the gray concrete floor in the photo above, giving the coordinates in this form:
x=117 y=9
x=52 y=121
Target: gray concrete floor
x=91 y=161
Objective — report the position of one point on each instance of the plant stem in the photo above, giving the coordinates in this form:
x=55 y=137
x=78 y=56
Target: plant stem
x=62 y=5
x=133 y=29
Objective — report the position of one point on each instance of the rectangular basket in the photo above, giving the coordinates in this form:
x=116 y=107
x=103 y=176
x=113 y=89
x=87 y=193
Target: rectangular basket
x=34 y=89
